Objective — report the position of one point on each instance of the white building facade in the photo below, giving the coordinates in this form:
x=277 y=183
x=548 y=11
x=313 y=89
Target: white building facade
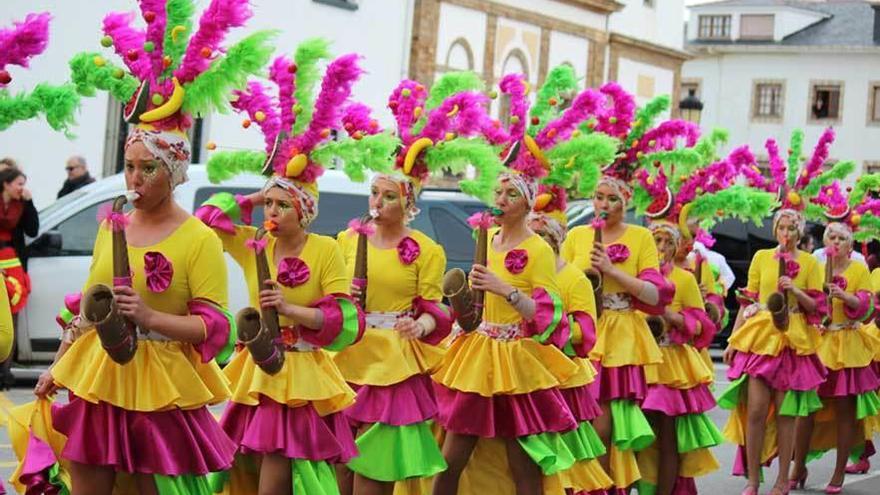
x=636 y=42
x=763 y=68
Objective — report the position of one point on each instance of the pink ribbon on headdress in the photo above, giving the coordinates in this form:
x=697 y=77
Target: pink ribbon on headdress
x=117 y=220
x=361 y=227
x=481 y=220
x=257 y=246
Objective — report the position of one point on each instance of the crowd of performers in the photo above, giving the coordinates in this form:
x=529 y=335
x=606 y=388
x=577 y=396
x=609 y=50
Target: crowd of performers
x=567 y=361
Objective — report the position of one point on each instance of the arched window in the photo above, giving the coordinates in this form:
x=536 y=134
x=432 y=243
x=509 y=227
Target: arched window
x=459 y=56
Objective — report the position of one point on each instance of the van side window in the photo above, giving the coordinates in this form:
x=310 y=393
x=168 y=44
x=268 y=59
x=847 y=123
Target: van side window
x=336 y=210
x=453 y=234
x=77 y=235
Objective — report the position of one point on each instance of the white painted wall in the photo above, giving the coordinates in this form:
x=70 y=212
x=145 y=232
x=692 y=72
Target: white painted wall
x=572 y=49
x=76 y=27
x=661 y=24
x=628 y=72
x=503 y=48
x=727 y=84
x=560 y=10
x=459 y=22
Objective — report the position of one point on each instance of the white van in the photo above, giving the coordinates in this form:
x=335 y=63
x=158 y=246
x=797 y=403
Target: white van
x=58 y=258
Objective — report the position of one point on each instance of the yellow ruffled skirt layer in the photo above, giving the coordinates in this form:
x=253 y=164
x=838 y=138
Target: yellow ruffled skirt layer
x=758 y=336
x=707 y=358
x=34 y=418
x=585 y=375
x=692 y=464
x=306 y=377
x=623 y=339
x=682 y=368
x=486 y=366
x=383 y=357
x=855 y=348
x=161 y=376
x=735 y=430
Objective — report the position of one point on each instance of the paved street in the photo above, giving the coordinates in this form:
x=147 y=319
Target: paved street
x=718 y=483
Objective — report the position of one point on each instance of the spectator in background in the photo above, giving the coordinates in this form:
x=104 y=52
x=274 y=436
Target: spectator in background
x=7 y=162
x=807 y=243
x=18 y=217
x=77 y=175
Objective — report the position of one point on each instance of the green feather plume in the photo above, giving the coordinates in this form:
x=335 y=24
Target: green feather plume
x=225 y=165
x=869 y=228
x=641 y=200
x=375 y=153
x=449 y=84
x=796 y=146
x=88 y=77
x=581 y=158
x=836 y=173
x=708 y=145
x=865 y=183
x=688 y=158
x=179 y=13
x=645 y=118
x=456 y=155
x=211 y=89
x=560 y=80
x=814 y=212
x=57 y=103
x=307 y=56
x=742 y=202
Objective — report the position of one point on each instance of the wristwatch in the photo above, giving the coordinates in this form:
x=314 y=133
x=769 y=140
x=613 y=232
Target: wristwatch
x=513 y=297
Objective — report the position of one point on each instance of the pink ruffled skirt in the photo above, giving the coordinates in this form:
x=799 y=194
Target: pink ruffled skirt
x=506 y=416
x=293 y=432
x=787 y=371
x=624 y=382
x=850 y=381
x=678 y=402
x=170 y=443
x=408 y=402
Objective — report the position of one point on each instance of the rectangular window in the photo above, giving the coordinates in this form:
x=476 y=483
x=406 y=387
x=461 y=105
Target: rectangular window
x=756 y=27
x=825 y=101
x=714 y=27
x=875 y=103
x=872 y=167
x=768 y=100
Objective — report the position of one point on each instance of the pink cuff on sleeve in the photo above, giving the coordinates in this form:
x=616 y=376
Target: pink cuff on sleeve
x=215 y=218
x=746 y=297
x=816 y=317
x=442 y=317
x=701 y=329
x=217 y=328
x=665 y=291
x=865 y=308
x=550 y=323
x=246 y=207
x=588 y=333
x=343 y=323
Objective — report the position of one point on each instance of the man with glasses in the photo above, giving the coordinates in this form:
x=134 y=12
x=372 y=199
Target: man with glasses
x=77 y=175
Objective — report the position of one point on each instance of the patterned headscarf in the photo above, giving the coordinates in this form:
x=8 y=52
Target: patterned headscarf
x=621 y=187
x=409 y=191
x=549 y=226
x=667 y=227
x=838 y=228
x=169 y=147
x=526 y=185
x=797 y=216
x=304 y=194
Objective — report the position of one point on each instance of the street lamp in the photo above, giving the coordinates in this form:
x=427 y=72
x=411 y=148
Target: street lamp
x=691 y=107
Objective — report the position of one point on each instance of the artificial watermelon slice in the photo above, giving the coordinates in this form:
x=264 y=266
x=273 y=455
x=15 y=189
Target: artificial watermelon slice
x=137 y=104
x=661 y=205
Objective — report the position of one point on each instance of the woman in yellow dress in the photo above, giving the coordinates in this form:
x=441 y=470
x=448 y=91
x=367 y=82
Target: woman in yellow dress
x=286 y=411
x=144 y=426
x=848 y=351
x=500 y=382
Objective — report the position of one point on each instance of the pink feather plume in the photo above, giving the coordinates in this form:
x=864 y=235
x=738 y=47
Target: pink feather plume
x=155 y=31
x=514 y=85
x=356 y=117
x=616 y=120
x=584 y=106
x=253 y=100
x=216 y=21
x=467 y=121
x=336 y=86
x=24 y=40
x=777 y=164
x=831 y=197
x=820 y=156
x=128 y=43
x=281 y=75
x=665 y=137
x=403 y=107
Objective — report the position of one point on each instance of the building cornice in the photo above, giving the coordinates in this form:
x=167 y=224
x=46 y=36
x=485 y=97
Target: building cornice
x=679 y=55
x=599 y=6
x=703 y=50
